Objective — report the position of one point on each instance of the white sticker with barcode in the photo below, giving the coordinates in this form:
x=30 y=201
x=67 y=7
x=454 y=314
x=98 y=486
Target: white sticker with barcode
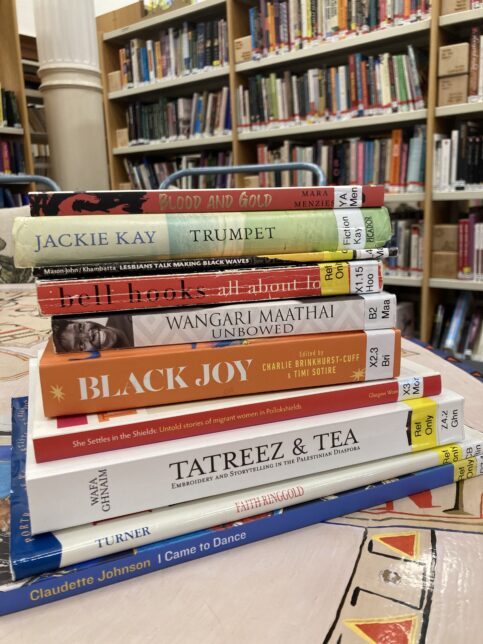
x=348 y=197
x=351 y=228
x=410 y=388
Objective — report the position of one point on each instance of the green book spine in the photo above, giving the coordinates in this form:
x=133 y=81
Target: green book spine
x=48 y=241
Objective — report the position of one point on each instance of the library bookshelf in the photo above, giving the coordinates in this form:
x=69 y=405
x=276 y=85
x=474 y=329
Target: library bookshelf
x=428 y=33
x=11 y=78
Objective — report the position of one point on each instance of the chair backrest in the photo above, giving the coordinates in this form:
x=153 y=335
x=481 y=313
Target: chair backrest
x=9 y=274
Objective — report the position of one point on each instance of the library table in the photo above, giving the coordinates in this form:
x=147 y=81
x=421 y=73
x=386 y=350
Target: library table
x=411 y=571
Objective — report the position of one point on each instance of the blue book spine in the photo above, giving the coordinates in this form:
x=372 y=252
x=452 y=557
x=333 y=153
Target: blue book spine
x=144 y=64
x=28 y=558
x=360 y=101
x=457 y=321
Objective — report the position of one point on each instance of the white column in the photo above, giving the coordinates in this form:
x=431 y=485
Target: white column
x=72 y=92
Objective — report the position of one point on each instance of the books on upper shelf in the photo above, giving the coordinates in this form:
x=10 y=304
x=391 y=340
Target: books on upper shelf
x=366 y=86
x=278 y=27
x=9 y=110
x=457 y=159
x=176 y=52
x=148 y=174
x=204 y=114
x=395 y=161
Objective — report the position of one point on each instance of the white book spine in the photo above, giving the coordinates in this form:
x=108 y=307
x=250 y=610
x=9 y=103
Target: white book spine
x=243 y=320
x=453 y=158
x=108 y=537
x=444 y=179
x=102 y=486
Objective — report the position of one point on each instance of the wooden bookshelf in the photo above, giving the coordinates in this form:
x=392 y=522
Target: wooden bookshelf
x=428 y=33
x=11 y=77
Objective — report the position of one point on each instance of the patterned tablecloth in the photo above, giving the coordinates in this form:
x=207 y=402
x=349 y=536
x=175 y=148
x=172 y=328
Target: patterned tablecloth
x=410 y=571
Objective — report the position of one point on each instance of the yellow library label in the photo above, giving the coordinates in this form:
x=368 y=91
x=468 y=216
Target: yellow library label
x=334 y=278
x=449 y=454
x=423 y=429
x=465 y=469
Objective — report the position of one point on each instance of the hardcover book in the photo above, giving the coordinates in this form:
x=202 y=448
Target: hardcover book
x=79 y=383
x=67 y=436
x=111 y=484
x=103 y=571
x=46 y=552
x=210 y=263
x=89 y=238
x=137 y=202
x=66 y=297
x=228 y=322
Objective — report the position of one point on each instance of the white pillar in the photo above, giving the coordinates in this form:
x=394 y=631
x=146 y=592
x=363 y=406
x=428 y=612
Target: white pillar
x=72 y=92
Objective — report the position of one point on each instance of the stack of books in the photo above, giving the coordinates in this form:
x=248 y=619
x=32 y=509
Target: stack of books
x=223 y=367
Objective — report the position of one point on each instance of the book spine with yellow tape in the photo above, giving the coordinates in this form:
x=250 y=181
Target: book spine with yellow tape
x=80 y=383
x=111 y=484
x=43 y=241
x=97 y=295
x=159 y=267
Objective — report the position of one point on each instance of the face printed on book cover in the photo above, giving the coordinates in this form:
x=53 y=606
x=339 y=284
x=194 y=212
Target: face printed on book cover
x=89 y=335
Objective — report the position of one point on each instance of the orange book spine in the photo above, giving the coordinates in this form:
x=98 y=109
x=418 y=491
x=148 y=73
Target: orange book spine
x=73 y=384
x=159 y=60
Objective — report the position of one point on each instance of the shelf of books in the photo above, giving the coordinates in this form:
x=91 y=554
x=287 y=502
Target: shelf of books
x=358 y=95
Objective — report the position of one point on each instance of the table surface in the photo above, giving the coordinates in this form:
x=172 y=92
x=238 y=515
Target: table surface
x=309 y=586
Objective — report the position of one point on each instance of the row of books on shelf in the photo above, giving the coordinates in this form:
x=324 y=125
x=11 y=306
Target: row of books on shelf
x=176 y=52
x=368 y=85
x=457 y=248
x=279 y=27
x=408 y=237
x=203 y=114
x=395 y=161
x=458 y=158
x=9 y=110
x=147 y=174
x=12 y=158
x=298 y=393
x=458 y=328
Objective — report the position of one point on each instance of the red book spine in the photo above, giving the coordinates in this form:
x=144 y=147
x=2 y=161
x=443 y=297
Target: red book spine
x=66 y=297
x=464 y=269
x=121 y=436
x=132 y=202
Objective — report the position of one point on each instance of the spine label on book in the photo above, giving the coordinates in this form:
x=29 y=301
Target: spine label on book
x=228 y=322
x=68 y=436
x=77 y=383
x=136 y=202
x=113 y=484
x=48 y=240
x=66 y=297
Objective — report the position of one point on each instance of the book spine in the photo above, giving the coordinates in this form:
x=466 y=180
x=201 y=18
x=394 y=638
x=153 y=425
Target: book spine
x=66 y=297
x=137 y=202
x=210 y=263
x=201 y=467
x=48 y=240
x=104 y=571
x=179 y=373
x=228 y=322
x=93 y=437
